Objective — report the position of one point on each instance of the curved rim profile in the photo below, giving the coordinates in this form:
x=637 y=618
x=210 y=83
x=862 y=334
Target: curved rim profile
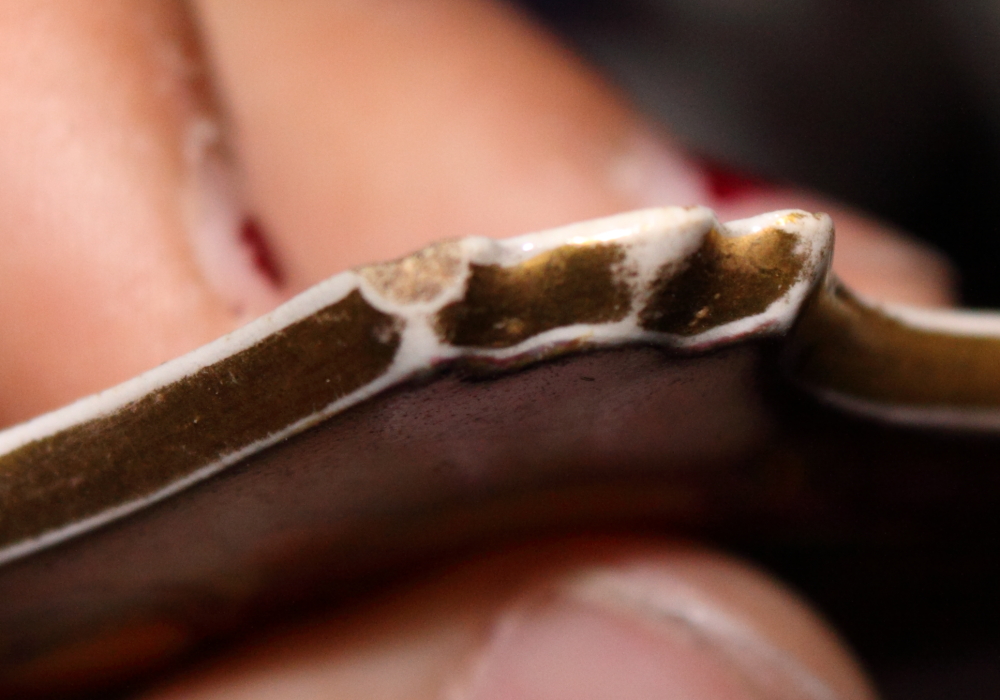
x=672 y=277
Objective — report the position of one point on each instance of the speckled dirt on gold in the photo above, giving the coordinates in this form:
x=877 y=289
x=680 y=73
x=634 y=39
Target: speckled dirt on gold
x=193 y=422
x=503 y=306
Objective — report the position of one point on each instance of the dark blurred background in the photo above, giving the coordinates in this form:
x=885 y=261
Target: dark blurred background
x=893 y=106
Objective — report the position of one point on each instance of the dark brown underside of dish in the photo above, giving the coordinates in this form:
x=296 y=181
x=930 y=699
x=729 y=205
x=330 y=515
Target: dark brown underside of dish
x=391 y=483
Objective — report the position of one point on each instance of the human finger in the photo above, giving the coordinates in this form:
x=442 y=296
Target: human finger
x=367 y=130
x=579 y=618
x=120 y=230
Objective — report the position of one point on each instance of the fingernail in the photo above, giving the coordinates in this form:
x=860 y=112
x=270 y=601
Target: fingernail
x=605 y=637
x=228 y=244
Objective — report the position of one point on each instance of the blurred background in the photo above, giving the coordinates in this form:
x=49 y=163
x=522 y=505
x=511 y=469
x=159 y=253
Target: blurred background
x=892 y=106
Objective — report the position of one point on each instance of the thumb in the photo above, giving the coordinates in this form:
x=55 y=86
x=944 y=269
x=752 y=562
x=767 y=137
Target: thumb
x=582 y=618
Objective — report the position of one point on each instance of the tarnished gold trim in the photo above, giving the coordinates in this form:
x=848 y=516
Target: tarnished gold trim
x=726 y=279
x=111 y=454
x=218 y=410
x=503 y=306
x=842 y=346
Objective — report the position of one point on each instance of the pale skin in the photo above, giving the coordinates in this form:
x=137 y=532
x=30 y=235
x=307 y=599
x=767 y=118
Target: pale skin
x=356 y=132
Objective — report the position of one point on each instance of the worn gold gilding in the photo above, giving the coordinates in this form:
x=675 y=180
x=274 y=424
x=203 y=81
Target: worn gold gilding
x=841 y=345
x=503 y=306
x=725 y=280
x=195 y=421
x=419 y=277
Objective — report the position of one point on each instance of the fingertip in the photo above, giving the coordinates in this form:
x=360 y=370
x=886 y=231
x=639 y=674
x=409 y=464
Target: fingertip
x=369 y=130
x=579 y=618
x=640 y=618
x=118 y=221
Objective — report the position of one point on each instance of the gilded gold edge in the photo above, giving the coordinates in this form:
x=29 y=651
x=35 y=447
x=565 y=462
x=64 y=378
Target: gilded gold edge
x=396 y=373
x=873 y=362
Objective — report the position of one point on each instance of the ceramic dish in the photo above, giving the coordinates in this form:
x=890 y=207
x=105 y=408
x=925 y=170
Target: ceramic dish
x=655 y=368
